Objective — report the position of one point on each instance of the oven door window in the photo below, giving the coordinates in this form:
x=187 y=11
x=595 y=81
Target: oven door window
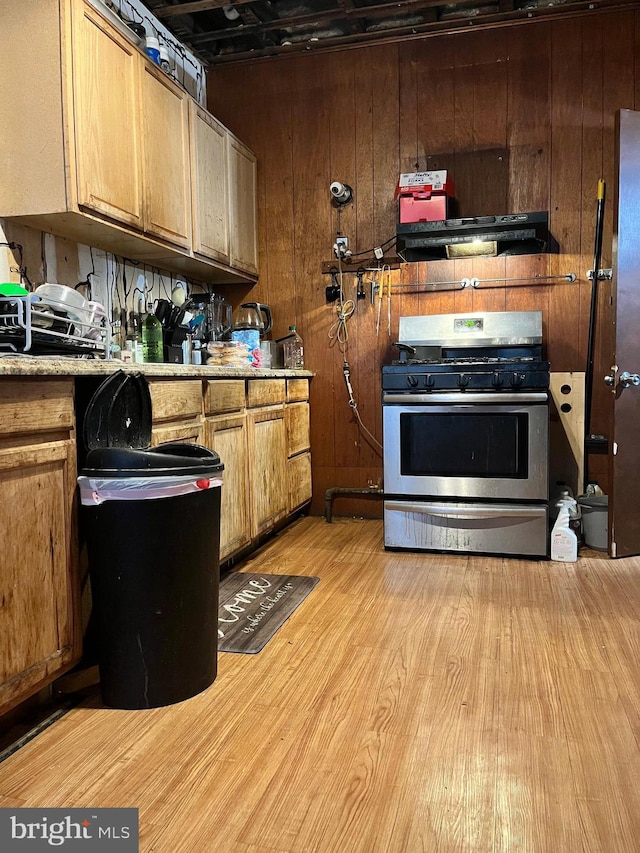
x=465 y=444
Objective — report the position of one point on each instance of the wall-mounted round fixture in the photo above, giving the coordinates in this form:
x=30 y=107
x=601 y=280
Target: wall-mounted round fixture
x=340 y=193
x=231 y=13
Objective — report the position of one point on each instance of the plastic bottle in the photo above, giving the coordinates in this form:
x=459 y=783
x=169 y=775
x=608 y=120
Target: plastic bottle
x=593 y=489
x=116 y=339
x=134 y=340
x=563 y=492
x=575 y=517
x=151 y=337
x=293 y=351
x=564 y=542
x=152 y=48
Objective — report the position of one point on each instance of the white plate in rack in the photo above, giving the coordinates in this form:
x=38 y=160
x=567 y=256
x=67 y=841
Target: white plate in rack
x=63 y=298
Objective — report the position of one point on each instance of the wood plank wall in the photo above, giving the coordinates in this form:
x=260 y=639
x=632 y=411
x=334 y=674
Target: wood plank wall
x=523 y=117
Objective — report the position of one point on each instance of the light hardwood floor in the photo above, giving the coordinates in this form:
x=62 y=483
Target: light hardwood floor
x=414 y=702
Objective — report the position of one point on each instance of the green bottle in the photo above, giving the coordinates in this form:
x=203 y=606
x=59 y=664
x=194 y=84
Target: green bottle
x=151 y=337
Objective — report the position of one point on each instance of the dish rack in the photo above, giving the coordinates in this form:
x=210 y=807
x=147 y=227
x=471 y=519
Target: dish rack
x=28 y=324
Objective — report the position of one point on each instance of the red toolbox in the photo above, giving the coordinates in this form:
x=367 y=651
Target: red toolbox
x=424 y=196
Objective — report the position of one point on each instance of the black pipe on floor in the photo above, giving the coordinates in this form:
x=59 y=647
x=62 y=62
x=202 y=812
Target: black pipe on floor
x=330 y=494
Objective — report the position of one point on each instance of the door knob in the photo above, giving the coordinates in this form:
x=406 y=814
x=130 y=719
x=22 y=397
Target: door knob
x=610 y=380
x=627 y=379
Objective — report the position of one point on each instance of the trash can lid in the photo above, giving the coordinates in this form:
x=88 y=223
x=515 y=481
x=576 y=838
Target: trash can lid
x=594 y=501
x=119 y=413
x=166 y=460
x=117 y=434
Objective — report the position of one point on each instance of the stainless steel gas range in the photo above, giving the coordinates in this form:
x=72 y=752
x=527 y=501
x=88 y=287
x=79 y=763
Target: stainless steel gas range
x=465 y=425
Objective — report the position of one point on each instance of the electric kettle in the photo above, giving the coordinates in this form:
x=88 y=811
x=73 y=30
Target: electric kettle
x=253 y=315
x=252 y=320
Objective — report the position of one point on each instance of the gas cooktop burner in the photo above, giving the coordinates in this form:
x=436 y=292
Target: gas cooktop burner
x=475 y=373
x=469 y=352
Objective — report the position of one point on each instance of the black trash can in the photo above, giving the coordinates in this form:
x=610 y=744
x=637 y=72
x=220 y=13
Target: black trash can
x=152 y=526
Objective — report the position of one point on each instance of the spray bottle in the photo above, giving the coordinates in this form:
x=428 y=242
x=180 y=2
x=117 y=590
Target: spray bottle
x=564 y=542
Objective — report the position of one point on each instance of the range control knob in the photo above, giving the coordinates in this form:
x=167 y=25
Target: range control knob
x=463 y=380
x=412 y=380
x=517 y=379
x=497 y=380
x=429 y=380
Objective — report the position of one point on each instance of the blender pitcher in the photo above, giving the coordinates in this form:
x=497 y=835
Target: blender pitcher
x=218 y=319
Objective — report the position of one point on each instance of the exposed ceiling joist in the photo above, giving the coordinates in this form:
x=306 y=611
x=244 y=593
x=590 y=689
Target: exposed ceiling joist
x=224 y=31
x=196 y=6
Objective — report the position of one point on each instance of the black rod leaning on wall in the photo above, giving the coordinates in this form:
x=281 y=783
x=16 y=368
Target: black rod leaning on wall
x=597 y=249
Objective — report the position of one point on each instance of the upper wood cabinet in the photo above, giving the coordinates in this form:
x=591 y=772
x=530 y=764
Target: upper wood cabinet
x=165 y=143
x=243 y=218
x=108 y=167
x=209 y=181
x=109 y=151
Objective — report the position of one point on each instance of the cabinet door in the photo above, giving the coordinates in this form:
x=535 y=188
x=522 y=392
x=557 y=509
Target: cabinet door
x=106 y=116
x=297 y=390
x=299 y=477
x=223 y=396
x=165 y=142
x=39 y=624
x=267 y=468
x=176 y=407
x=297 y=419
x=210 y=202
x=243 y=219
x=228 y=437
x=185 y=431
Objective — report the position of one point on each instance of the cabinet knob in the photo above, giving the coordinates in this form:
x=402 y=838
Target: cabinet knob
x=627 y=379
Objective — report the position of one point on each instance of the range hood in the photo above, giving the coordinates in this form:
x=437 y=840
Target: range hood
x=507 y=234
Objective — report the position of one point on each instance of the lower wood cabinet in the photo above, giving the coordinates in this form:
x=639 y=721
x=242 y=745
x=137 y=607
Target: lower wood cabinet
x=176 y=407
x=299 y=480
x=263 y=442
x=297 y=420
x=227 y=435
x=40 y=627
x=298 y=445
x=269 y=494
x=259 y=428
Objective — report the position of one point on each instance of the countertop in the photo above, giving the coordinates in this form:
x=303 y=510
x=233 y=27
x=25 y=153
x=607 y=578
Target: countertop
x=29 y=365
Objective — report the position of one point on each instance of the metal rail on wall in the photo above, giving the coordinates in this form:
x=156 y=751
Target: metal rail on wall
x=476 y=282
x=458 y=284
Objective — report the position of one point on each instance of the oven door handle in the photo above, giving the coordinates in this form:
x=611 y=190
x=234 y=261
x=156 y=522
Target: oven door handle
x=457 y=397
x=475 y=512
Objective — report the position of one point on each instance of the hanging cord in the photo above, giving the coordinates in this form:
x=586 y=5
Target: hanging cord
x=354 y=406
x=384 y=246
x=338 y=332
